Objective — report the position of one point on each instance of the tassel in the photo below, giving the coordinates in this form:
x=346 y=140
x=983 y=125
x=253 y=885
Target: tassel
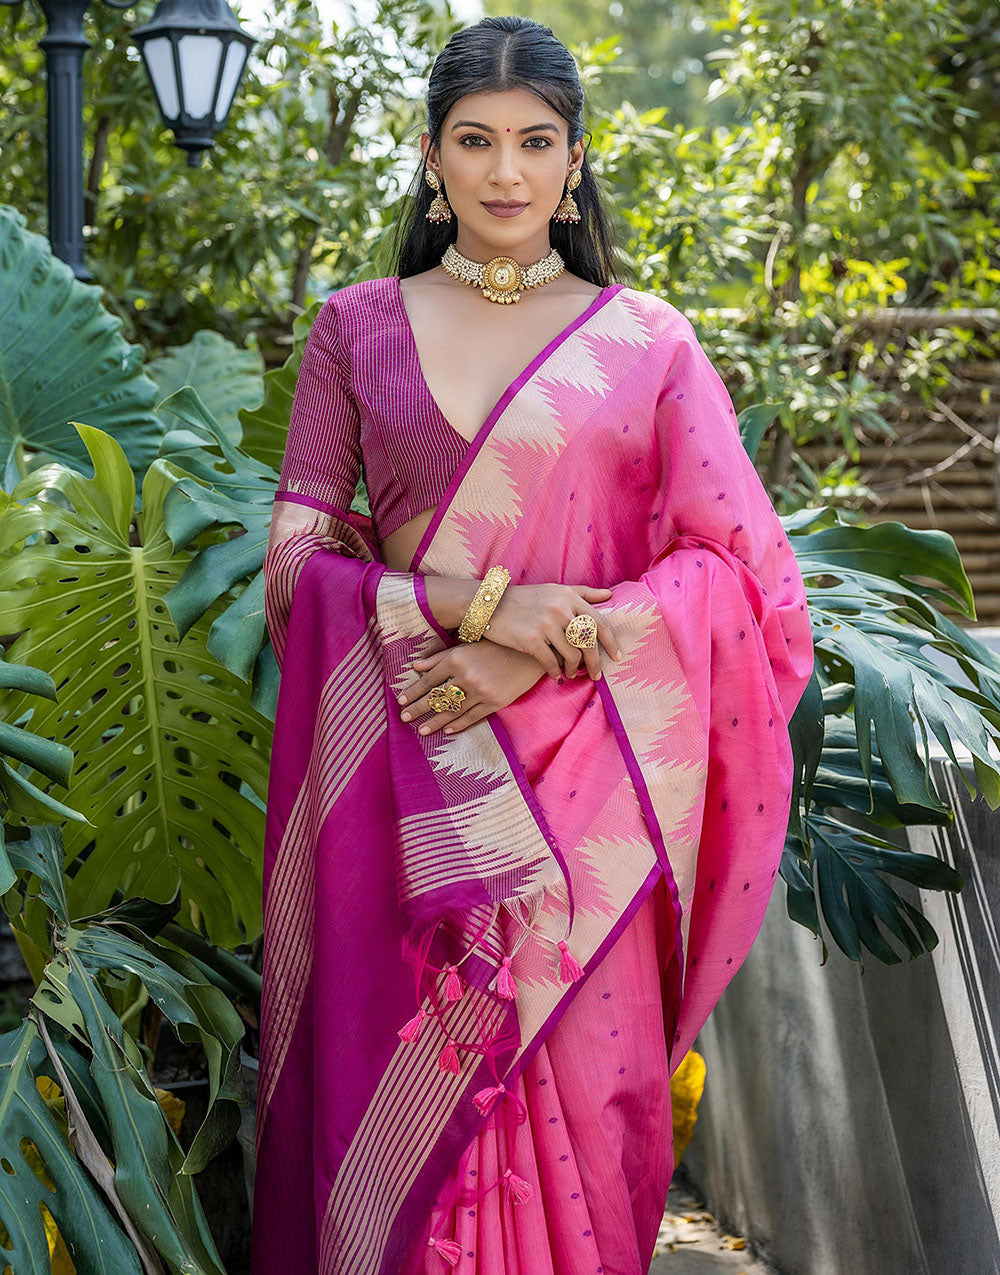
x=485 y=1099
x=448 y=1249
x=569 y=967
x=519 y=1189
x=506 y=987
x=448 y=1059
x=411 y=1030
x=453 y=984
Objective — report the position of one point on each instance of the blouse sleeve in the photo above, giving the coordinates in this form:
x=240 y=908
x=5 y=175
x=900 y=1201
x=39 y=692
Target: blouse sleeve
x=319 y=475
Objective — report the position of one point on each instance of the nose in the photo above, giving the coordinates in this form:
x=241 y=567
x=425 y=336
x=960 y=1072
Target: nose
x=506 y=170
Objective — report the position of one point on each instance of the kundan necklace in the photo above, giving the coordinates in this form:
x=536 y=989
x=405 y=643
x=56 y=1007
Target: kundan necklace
x=502 y=278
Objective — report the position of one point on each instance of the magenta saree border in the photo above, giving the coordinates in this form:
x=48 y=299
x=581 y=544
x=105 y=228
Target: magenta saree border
x=486 y=428
x=646 y=805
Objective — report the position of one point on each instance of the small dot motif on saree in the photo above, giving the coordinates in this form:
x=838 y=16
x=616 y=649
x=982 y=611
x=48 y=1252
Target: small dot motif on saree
x=615 y=1032
x=704 y=463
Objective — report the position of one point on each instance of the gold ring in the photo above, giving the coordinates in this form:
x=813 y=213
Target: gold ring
x=445 y=698
x=582 y=631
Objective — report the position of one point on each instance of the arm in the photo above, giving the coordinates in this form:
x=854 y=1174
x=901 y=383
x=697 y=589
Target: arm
x=319 y=475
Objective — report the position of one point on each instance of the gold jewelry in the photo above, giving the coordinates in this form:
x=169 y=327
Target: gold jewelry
x=440 y=209
x=582 y=631
x=567 y=210
x=475 y=621
x=502 y=278
x=446 y=697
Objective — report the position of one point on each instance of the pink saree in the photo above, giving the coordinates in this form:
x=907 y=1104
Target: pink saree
x=485 y=953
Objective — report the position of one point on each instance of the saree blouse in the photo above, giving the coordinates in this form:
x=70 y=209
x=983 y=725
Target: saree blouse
x=361 y=394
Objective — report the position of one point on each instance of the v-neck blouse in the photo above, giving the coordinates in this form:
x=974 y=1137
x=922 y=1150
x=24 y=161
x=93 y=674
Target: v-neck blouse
x=361 y=396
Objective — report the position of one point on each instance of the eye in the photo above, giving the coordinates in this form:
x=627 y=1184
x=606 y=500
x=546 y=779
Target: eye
x=476 y=137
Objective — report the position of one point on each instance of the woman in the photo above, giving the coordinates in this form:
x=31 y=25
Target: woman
x=531 y=769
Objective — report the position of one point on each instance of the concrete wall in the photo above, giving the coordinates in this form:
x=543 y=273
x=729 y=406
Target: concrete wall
x=850 y=1123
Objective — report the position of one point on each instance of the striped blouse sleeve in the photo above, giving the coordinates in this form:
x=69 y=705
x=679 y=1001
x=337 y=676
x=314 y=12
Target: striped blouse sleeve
x=319 y=475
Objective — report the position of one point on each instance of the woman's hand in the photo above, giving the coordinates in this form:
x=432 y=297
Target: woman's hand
x=492 y=677
x=533 y=617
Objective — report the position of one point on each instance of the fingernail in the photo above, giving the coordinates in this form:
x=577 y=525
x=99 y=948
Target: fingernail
x=424 y=730
x=400 y=699
x=406 y=717
x=618 y=655
x=597 y=676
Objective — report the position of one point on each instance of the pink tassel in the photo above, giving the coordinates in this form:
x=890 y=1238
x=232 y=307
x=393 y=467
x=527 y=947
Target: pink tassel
x=506 y=987
x=448 y=1060
x=519 y=1189
x=411 y=1030
x=448 y=1249
x=485 y=1099
x=569 y=967
x=453 y=984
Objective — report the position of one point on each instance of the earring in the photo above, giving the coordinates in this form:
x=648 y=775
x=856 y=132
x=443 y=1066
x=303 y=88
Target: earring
x=440 y=209
x=567 y=210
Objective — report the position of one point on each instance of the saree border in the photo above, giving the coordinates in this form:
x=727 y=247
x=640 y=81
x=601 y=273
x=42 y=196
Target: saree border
x=486 y=429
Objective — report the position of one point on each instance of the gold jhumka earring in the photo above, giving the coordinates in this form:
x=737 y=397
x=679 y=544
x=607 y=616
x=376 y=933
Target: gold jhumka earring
x=567 y=210
x=440 y=209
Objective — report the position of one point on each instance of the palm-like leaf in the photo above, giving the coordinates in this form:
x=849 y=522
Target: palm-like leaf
x=63 y=359
x=171 y=757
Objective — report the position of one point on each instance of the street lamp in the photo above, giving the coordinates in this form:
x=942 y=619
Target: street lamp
x=194 y=52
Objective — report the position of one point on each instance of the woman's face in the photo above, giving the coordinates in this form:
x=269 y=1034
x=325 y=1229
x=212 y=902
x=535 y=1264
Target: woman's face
x=503 y=146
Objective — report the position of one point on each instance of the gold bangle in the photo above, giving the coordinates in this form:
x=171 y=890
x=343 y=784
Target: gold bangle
x=476 y=619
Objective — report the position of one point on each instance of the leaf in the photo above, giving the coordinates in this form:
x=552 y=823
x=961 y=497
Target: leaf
x=63 y=359
x=227 y=378
x=99 y=1244
x=165 y=738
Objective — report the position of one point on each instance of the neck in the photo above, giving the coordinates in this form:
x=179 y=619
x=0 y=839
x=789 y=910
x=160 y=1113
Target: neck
x=480 y=250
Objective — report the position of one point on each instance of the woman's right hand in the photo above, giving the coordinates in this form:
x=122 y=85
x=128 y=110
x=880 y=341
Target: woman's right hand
x=533 y=618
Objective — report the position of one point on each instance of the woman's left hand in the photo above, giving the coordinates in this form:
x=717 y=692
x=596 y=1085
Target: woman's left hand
x=492 y=677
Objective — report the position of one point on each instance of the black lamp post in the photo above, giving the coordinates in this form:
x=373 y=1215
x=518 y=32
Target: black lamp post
x=194 y=52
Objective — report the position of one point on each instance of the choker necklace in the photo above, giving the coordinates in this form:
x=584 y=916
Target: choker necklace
x=502 y=278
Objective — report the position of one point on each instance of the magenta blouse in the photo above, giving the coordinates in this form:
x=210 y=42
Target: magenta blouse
x=361 y=393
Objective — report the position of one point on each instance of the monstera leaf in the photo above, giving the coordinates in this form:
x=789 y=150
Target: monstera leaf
x=121 y=1139
x=62 y=359
x=226 y=378
x=171 y=758
x=861 y=734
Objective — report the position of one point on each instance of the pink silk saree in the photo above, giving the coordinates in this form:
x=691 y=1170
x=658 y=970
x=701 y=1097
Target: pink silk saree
x=485 y=953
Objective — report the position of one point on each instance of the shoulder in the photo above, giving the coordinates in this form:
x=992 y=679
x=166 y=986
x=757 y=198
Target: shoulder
x=359 y=296
x=657 y=322
x=354 y=311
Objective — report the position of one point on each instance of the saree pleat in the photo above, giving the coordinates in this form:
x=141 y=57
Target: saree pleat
x=484 y=954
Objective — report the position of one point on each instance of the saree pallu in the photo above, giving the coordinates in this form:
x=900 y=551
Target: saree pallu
x=435 y=905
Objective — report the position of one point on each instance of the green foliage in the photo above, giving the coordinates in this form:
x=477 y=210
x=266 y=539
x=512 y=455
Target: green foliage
x=171 y=758
x=870 y=593
x=61 y=354
x=121 y=1138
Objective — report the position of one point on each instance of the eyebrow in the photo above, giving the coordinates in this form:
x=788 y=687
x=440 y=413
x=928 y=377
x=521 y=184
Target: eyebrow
x=486 y=128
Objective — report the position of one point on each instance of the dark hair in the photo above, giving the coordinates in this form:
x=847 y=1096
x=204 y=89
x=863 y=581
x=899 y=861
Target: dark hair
x=494 y=55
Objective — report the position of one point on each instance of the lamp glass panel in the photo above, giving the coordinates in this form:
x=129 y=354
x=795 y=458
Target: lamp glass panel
x=160 y=64
x=199 y=55
x=236 y=56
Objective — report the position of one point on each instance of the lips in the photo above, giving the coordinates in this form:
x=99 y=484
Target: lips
x=499 y=203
